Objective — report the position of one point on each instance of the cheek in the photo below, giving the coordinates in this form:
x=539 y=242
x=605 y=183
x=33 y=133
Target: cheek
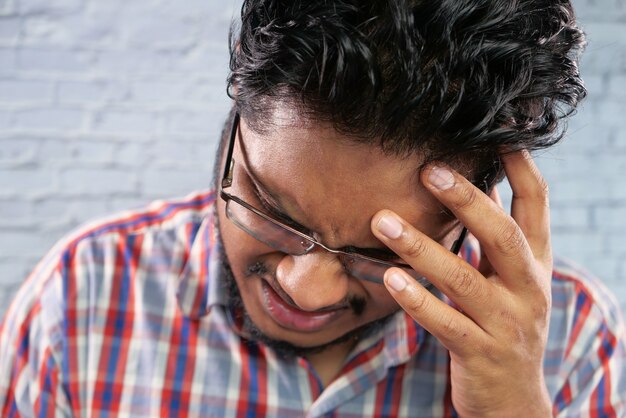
x=383 y=301
x=242 y=250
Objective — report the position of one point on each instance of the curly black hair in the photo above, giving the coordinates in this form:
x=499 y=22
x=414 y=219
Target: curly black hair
x=443 y=78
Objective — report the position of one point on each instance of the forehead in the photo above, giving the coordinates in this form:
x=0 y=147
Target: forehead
x=332 y=184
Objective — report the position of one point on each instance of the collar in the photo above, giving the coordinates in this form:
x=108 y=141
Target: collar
x=198 y=286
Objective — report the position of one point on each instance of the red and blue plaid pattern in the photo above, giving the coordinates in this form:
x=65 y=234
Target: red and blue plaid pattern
x=127 y=317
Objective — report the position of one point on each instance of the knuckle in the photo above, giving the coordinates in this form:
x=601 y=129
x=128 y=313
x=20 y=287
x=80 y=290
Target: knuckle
x=449 y=326
x=510 y=240
x=467 y=197
x=415 y=247
x=462 y=282
x=542 y=191
x=543 y=188
x=417 y=303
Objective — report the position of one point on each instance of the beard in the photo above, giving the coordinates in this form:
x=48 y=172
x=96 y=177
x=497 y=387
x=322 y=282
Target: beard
x=283 y=348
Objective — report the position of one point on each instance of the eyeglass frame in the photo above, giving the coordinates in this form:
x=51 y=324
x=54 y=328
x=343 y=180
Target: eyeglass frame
x=227 y=181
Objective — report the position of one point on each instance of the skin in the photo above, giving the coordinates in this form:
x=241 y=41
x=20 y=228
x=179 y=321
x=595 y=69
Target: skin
x=497 y=340
x=325 y=181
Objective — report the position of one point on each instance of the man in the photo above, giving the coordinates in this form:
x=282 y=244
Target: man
x=322 y=277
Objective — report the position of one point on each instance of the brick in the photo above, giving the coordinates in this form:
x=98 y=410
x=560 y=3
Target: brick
x=192 y=122
x=197 y=60
x=94 y=30
x=619 y=142
x=97 y=181
x=18 y=150
x=23 y=244
x=611 y=112
x=586 y=137
x=8 y=61
x=208 y=89
x=24 y=181
x=82 y=92
x=15 y=209
x=579 y=191
x=55 y=150
x=604 y=267
x=600 y=10
x=132 y=154
x=159 y=92
x=150 y=31
x=578 y=245
x=51 y=7
x=53 y=60
x=20 y=91
x=94 y=151
x=570 y=218
x=85 y=209
x=8 y=8
x=44 y=30
x=176 y=153
x=14 y=273
x=6 y=120
x=9 y=29
x=125 y=122
x=616 y=241
x=596 y=85
x=197 y=10
x=166 y=183
x=51 y=118
x=605 y=52
x=617 y=87
x=119 y=204
x=622 y=273
x=109 y=10
x=78 y=209
x=560 y=165
x=133 y=62
x=611 y=218
x=617 y=187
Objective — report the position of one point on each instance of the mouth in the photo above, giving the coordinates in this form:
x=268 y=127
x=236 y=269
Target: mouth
x=288 y=316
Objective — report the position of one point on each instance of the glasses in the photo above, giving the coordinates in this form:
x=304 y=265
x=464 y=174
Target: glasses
x=290 y=241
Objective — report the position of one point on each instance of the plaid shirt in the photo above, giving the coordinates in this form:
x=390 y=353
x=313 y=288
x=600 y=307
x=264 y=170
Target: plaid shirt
x=127 y=317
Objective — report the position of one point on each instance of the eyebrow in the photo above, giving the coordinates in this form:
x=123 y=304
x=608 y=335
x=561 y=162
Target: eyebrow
x=279 y=211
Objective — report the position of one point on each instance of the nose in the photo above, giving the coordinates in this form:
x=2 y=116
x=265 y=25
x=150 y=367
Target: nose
x=313 y=281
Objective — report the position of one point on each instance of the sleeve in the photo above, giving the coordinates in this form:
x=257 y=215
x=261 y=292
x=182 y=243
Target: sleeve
x=31 y=382
x=591 y=378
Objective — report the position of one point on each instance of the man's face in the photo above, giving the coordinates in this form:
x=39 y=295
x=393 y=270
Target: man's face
x=323 y=182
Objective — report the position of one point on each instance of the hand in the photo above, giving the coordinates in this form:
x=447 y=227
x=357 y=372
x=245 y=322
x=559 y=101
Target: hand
x=497 y=337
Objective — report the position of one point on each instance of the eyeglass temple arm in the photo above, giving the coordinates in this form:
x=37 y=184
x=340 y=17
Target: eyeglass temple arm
x=227 y=178
x=456 y=247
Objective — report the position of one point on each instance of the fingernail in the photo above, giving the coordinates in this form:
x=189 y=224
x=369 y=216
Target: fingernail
x=441 y=178
x=397 y=281
x=389 y=227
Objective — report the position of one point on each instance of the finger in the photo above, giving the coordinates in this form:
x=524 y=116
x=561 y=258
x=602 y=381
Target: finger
x=484 y=266
x=530 y=205
x=457 y=279
x=501 y=239
x=495 y=196
x=457 y=332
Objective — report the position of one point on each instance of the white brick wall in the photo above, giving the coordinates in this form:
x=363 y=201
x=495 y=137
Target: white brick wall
x=106 y=105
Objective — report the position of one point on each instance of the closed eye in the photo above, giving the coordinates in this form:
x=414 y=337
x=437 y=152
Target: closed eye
x=279 y=215
x=378 y=253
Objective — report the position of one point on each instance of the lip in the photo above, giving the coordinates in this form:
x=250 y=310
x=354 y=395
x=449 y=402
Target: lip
x=288 y=316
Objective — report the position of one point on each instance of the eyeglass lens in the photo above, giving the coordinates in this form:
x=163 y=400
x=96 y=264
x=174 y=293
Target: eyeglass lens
x=288 y=242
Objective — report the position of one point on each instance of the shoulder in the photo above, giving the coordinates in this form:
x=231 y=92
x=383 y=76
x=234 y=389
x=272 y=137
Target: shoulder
x=585 y=353
x=99 y=248
x=84 y=285
x=579 y=297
